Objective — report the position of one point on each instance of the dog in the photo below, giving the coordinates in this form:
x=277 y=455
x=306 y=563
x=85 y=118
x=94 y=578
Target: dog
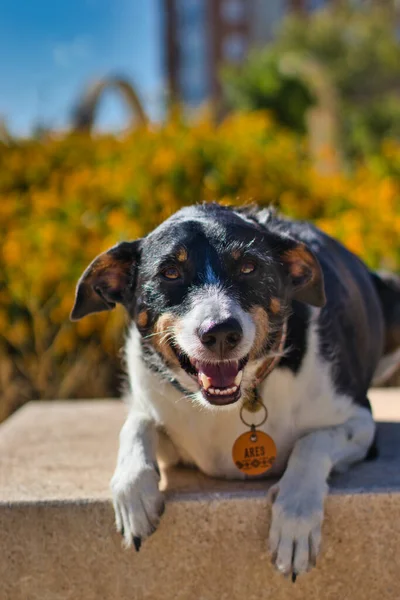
x=217 y=295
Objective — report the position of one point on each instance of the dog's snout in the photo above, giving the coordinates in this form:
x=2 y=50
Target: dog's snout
x=221 y=337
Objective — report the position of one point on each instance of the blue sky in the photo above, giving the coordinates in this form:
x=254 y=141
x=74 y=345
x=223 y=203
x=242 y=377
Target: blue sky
x=50 y=49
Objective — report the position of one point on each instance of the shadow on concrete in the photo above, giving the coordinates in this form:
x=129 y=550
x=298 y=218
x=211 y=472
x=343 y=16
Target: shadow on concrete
x=380 y=475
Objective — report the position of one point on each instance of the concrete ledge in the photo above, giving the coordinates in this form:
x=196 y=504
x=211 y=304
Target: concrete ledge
x=57 y=540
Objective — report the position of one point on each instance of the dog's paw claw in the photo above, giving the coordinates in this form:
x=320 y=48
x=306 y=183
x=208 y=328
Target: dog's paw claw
x=295 y=535
x=137 y=502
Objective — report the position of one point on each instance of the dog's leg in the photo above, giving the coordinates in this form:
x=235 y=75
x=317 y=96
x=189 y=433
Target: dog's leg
x=298 y=498
x=138 y=503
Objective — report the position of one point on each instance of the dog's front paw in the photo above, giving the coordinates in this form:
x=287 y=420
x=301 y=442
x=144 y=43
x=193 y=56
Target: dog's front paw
x=295 y=532
x=138 y=502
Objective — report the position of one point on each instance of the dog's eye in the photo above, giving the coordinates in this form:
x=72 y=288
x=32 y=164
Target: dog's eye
x=248 y=267
x=171 y=273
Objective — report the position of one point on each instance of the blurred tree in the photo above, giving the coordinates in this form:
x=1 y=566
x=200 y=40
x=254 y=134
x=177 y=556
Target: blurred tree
x=358 y=47
x=262 y=84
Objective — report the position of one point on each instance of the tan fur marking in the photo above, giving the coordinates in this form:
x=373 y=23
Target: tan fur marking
x=304 y=267
x=236 y=254
x=164 y=328
x=275 y=305
x=143 y=318
x=107 y=268
x=182 y=254
x=261 y=322
x=298 y=258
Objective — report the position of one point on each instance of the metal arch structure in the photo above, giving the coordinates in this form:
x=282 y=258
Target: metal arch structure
x=85 y=113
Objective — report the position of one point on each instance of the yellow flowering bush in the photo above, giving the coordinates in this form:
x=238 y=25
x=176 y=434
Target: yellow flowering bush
x=65 y=199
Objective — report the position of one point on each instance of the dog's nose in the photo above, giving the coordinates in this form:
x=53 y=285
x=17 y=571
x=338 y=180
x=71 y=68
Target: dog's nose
x=221 y=337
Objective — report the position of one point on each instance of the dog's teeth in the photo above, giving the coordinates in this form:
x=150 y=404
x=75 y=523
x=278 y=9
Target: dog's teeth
x=238 y=378
x=222 y=391
x=206 y=381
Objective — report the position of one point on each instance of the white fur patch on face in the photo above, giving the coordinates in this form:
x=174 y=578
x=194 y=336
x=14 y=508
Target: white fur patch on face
x=211 y=303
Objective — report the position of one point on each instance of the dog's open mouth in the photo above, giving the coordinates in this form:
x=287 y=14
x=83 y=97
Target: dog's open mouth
x=219 y=381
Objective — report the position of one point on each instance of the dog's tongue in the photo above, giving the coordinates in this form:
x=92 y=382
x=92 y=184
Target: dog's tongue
x=221 y=374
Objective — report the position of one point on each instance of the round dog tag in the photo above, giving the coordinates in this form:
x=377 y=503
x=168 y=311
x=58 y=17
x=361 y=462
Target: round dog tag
x=254 y=452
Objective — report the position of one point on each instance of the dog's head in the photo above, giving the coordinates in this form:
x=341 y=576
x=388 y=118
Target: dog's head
x=209 y=291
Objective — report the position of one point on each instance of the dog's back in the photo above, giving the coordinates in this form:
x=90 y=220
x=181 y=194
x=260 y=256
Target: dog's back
x=374 y=296
x=360 y=323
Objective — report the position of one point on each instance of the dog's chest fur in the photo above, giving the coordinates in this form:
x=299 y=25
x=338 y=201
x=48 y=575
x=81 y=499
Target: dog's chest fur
x=296 y=404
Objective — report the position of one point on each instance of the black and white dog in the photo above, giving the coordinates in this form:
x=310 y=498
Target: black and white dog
x=210 y=294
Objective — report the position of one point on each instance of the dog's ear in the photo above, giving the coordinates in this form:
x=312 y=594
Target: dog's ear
x=304 y=271
x=108 y=280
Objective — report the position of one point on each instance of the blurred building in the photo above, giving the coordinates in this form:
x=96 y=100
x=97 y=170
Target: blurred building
x=201 y=35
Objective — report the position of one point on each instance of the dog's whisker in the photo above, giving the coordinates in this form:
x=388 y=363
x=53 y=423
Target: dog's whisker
x=168 y=337
x=150 y=335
